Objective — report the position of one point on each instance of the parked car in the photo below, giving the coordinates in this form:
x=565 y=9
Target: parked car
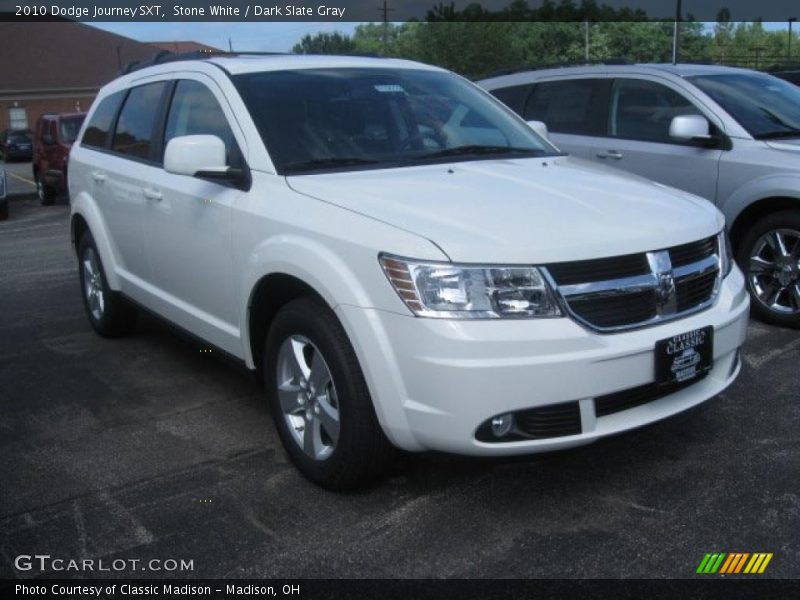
x=3 y=194
x=55 y=134
x=790 y=76
x=729 y=135
x=16 y=144
x=402 y=259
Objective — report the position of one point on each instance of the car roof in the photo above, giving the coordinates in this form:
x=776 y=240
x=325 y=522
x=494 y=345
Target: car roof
x=238 y=63
x=678 y=70
x=251 y=63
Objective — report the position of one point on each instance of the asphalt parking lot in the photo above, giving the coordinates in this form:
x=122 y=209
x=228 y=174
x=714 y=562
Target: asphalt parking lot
x=20 y=178
x=147 y=447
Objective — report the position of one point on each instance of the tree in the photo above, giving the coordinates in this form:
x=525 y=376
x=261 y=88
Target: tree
x=325 y=43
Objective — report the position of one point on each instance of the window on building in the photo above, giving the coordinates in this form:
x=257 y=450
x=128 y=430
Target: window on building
x=17 y=118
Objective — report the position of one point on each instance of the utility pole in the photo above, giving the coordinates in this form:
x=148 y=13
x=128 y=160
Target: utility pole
x=586 y=39
x=676 y=34
x=789 y=45
x=385 y=10
x=230 y=45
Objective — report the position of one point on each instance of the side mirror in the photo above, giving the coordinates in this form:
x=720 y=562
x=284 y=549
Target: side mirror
x=192 y=154
x=540 y=127
x=203 y=156
x=48 y=140
x=690 y=128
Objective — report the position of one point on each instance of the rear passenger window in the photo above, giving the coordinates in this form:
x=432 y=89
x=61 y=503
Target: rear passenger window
x=134 y=132
x=514 y=97
x=97 y=130
x=643 y=110
x=577 y=106
x=195 y=111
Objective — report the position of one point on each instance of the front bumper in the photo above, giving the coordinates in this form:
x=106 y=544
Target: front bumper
x=435 y=381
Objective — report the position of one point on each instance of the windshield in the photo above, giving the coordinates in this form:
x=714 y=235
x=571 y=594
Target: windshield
x=17 y=137
x=767 y=107
x=324 y=119
x=70 y=127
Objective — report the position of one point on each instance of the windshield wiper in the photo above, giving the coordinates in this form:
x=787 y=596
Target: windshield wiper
x=773 y=135
x=328 y=162
x=479 y=149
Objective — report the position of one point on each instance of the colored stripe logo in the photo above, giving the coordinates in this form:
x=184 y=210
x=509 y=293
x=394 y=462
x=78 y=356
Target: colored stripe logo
x=734 y=563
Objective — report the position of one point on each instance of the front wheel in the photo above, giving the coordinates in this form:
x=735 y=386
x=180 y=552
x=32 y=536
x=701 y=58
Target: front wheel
x=45 y=193
x=769 y=255
x=108 y=312
x=319 y=399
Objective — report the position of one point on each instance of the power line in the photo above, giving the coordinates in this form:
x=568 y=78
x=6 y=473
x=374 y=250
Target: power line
x=385 y=10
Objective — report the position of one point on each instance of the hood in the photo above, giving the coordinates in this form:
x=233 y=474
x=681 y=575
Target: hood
x=790 y=144
x=521 y=210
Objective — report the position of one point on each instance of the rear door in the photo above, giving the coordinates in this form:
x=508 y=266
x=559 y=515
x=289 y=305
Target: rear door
x=130 y=163
x=637 y=138
x=574 y=111
x=189 y=221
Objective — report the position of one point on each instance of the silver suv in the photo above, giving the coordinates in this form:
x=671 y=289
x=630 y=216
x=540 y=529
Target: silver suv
x=729 y=135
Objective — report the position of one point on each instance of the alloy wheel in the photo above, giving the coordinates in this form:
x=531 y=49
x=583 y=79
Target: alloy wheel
x=308 y=397
x=774 y=271
x=93 y=284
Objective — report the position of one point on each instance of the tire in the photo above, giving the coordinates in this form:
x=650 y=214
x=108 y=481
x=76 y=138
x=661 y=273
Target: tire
x=109 y=313
x=769 y=255
x=307 y=330
x=46 y=193
x=3 y=210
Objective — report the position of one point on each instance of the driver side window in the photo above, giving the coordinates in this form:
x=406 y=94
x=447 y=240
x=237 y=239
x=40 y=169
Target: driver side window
x=195 y=111
x=643 y=110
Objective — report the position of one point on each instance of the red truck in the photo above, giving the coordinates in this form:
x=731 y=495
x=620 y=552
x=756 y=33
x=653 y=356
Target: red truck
x=52 y=140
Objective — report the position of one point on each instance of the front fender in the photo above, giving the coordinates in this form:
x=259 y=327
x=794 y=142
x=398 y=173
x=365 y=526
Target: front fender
x=768 y=186
x=84 y=205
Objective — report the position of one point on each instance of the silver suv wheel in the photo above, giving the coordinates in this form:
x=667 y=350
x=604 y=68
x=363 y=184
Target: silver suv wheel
x=307 y=397
x=93 y=284
x=774 y=270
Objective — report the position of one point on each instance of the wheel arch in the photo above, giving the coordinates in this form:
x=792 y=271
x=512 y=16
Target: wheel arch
x=757 y=210
x=86 y=218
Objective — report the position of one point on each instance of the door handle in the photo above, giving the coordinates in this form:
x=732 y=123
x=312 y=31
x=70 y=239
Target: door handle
x=98 y=177
x=610 y=154
x=153 y=195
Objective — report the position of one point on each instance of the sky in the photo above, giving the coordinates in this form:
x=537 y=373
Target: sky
x=253 y=37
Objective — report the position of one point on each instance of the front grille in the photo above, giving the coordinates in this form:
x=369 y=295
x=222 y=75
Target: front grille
x=619 y=401
x=692 y=252
x=616 y=311
x=692 y=291
x=555 y=420
x=636 y=290
x=586 y=271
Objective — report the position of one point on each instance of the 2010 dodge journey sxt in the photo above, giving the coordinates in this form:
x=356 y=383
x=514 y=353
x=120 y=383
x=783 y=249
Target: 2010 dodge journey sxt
x=403 y=260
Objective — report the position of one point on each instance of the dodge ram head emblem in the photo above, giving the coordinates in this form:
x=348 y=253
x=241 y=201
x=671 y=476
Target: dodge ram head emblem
x=666 y=296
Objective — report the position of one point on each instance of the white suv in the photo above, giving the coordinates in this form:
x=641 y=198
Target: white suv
x=403 y=260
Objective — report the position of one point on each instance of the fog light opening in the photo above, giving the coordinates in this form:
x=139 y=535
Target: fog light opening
x=502 y=424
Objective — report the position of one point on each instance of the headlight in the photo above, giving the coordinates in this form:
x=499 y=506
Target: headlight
x=451 y=291
x=725 y=253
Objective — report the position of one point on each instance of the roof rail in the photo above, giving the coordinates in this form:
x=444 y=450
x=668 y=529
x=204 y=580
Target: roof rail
x=541 y=66
x=166 y=56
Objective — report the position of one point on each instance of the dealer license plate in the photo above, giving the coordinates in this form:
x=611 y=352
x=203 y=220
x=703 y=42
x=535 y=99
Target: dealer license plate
x=685 y=356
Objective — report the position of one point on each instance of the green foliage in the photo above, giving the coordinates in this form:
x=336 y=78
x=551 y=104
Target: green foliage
x=325 y=43
x=475 y=42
